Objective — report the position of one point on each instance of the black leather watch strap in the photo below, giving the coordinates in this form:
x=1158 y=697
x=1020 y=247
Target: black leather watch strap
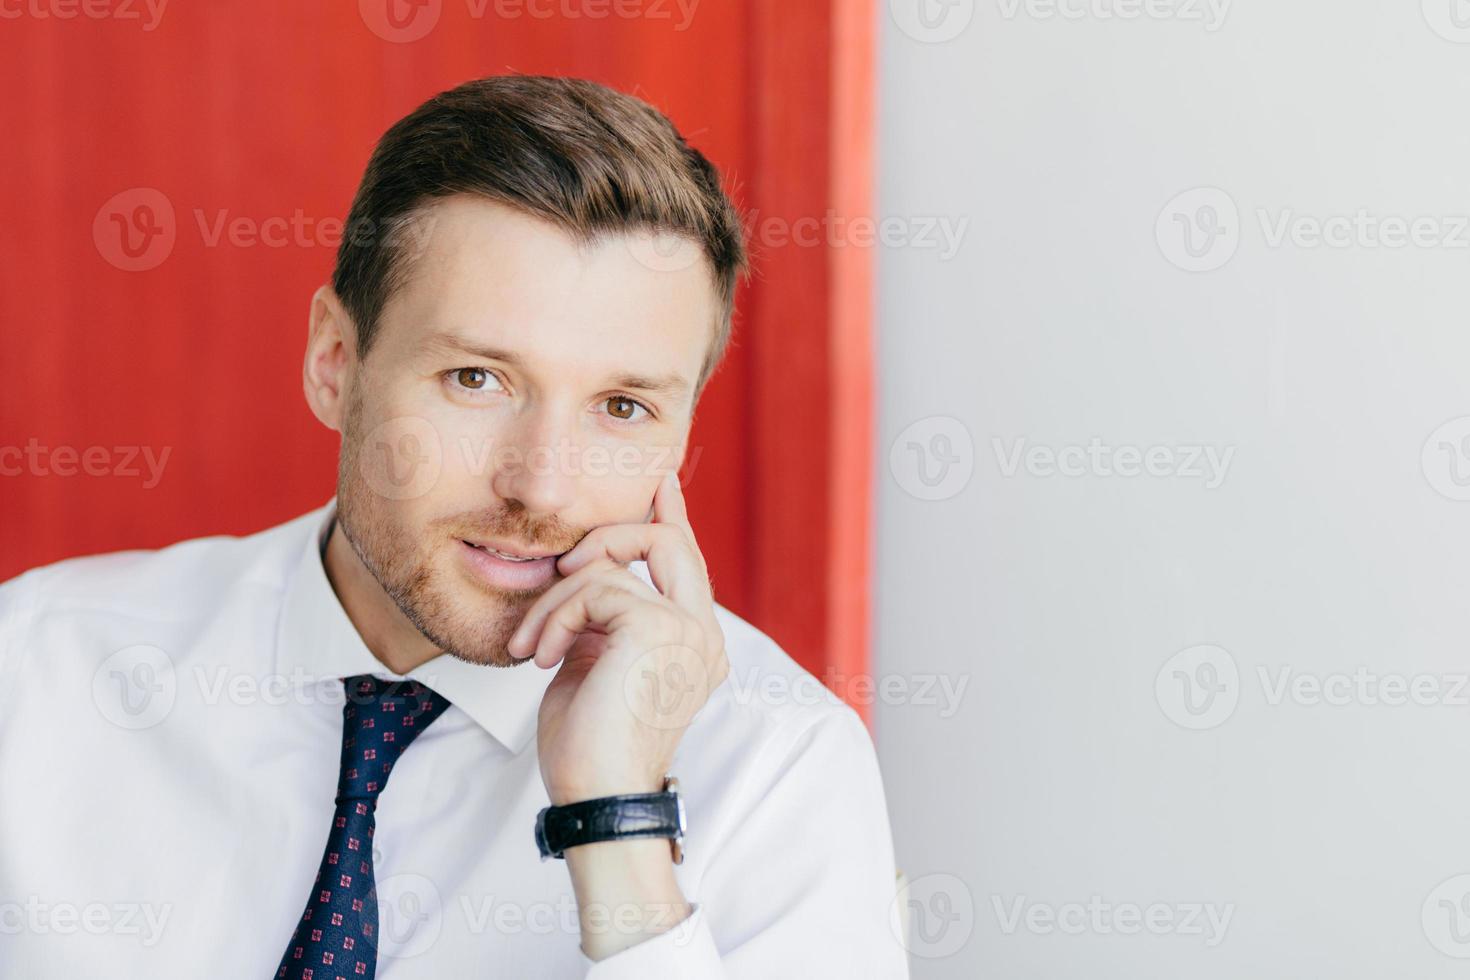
x=611 y=818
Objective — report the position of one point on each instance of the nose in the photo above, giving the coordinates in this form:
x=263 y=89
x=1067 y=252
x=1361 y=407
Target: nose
x=536 y=464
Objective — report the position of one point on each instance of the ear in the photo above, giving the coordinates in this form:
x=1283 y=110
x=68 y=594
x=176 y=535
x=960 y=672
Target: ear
x=331 y=346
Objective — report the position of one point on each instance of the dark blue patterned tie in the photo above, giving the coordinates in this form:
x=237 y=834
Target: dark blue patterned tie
x=337 y=938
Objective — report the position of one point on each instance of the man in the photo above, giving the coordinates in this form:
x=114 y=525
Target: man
x=504 y=608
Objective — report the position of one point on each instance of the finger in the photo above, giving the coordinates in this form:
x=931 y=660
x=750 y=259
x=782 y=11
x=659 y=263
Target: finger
x=624 y=543
x=674 y=562
x=672 y=510
x=669 y=506
x=523 y=642
x=605 y=604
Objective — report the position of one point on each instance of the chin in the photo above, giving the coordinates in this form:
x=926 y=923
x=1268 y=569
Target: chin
x=487 y=658
x=469 y=624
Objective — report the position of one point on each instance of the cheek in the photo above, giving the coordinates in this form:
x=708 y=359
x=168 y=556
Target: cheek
x=409 y=458
x=469 y=443
x=614 y=495
x=621 y=477
x=399 y=460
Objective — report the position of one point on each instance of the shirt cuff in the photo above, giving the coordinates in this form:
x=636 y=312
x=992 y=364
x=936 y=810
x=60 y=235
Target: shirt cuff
x=685 y=952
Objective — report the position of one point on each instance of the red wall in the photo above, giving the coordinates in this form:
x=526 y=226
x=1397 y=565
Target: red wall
x=268 y=110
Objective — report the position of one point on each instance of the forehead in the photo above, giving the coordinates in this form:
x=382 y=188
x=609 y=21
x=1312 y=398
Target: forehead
x=502 y=278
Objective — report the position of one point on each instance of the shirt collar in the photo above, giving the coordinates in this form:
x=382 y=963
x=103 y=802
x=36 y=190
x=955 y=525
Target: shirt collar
x=316 y=643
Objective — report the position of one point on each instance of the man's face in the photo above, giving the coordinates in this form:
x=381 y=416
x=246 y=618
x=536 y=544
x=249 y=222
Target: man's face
x=522 y=389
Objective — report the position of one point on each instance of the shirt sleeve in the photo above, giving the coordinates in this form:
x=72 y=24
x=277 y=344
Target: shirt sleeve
x=685 y=951
x=804 y=885
x=15 y=609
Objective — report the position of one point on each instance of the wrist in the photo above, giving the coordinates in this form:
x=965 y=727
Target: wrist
x=626 y=893
x=656 y=814
x=563 y=794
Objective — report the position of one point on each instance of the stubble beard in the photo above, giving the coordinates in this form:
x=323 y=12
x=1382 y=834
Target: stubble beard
x=402 y=564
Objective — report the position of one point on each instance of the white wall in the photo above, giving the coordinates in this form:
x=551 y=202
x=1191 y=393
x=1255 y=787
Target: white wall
x=1331 y=834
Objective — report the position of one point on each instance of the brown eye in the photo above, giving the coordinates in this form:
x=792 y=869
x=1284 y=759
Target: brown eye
x=621 y=407
x=470 y=377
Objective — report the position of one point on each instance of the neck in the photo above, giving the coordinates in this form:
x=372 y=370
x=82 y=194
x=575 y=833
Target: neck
x=395 y=641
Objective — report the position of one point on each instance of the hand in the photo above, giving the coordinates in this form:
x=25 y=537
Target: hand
x=639 y=663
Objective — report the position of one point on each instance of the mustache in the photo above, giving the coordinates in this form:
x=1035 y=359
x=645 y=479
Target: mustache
x=513 y=525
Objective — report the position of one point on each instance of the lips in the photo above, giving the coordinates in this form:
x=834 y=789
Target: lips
x=506 y=569
x=507 y=555
x=511 y=551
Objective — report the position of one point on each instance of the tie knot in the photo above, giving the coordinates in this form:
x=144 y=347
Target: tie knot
x=380 y=719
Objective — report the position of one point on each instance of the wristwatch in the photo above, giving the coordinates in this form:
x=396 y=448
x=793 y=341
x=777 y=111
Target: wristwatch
x=613 y=818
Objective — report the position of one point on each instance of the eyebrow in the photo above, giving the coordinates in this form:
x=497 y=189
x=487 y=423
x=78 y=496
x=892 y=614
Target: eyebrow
x=672 y=384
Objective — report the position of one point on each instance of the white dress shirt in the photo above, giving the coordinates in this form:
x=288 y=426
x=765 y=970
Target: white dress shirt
x=170 y=730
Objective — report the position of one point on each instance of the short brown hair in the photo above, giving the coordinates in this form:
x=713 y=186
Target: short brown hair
x=578 y=154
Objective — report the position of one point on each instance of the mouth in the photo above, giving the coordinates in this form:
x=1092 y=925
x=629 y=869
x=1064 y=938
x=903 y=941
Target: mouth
x=512 y=554
x=507 y=567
